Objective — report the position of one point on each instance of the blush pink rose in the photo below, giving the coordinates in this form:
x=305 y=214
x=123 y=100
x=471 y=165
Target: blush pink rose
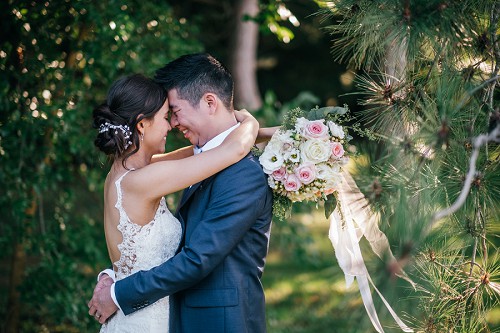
x=315 y=129
x=292 y=183
x=337 y=149
x=306 y=173
x=279 y=174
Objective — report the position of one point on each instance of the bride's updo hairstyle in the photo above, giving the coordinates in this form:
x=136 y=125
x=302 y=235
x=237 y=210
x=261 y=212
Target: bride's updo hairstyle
x=130 y=100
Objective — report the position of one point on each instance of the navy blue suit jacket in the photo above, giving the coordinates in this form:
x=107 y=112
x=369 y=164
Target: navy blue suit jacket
x=215 y=278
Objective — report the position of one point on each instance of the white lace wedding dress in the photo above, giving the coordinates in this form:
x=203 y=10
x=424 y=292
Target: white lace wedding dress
x=142 y=248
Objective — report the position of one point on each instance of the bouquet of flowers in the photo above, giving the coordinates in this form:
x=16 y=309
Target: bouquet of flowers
x=304 y=161
x=304 y=158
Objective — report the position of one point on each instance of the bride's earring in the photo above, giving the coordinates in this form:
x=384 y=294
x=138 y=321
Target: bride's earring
x=142 y=136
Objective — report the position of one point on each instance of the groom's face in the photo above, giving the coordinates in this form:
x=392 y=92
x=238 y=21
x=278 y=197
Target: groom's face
x=187 y=118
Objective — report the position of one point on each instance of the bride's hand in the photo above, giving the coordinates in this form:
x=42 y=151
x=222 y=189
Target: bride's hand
x=242 y=115
x=243 y=137
x=264 y=134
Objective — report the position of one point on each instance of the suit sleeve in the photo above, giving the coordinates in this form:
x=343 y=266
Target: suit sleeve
x=238 y=195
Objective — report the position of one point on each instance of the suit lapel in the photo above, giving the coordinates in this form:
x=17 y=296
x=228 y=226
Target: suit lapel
x=182 y=218
x=187 y=194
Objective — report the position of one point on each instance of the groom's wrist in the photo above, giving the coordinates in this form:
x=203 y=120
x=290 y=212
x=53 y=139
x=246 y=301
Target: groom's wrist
x=109 y=272
x=113 y=296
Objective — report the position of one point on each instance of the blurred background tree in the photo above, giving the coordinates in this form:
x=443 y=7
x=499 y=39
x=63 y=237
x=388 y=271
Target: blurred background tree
x=427 y=101
x=57 y=60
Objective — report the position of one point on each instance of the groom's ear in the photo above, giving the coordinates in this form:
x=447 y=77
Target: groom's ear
x=211 y=101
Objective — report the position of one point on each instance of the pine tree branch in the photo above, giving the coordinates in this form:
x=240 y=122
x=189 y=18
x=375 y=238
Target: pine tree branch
x=473 y=259
x=476 y=89
x=478 y=142
x=494 y=21
x=435 y=61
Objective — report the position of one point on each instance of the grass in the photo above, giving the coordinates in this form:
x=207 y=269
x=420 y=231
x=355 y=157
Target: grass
x=306 y=292
x=305 y=288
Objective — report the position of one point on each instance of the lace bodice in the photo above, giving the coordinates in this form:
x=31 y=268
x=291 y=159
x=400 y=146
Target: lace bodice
x=142 y=248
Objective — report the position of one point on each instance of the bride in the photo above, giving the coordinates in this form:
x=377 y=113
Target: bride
x=140 y=231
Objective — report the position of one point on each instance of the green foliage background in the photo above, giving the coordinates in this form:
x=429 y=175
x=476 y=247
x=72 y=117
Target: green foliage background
x=426 y=80
x=58 y=58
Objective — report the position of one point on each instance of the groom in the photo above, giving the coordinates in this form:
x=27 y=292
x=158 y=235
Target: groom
x=214 y=280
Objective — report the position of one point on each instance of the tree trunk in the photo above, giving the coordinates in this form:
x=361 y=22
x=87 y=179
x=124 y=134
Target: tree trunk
x=395 y=62
x=243 y=58
x=17 y=269
x=395 y=68
x=13 y=312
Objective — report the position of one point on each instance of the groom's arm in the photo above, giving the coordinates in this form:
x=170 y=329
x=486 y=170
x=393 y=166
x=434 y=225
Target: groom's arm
x=237 y=196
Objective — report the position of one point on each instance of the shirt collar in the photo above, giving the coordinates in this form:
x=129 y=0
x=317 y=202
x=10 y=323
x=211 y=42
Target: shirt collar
x=216 y=141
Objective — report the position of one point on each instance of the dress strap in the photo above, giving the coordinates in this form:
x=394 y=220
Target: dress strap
x=118 y=182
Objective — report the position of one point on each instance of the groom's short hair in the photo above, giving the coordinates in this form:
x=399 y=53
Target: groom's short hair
x=193 y=75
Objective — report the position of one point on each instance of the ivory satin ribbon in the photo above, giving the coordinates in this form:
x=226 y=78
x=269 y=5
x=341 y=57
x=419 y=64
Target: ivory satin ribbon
x=351 y=220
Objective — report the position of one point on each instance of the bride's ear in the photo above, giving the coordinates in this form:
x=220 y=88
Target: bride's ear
x=141 y=124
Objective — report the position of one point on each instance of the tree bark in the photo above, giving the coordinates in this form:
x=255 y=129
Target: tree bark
x=243 y=57
x=18 y=264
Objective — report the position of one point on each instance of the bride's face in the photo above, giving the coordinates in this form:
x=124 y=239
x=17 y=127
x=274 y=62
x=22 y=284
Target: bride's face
x=156 y=130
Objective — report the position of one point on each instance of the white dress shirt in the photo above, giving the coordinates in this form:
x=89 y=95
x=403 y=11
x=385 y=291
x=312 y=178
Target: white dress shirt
x=216 y=141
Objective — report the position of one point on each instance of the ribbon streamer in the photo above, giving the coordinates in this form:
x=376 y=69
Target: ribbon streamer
x=351 y=220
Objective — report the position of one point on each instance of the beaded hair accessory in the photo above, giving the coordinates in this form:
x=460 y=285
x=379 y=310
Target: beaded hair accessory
x=124 y=128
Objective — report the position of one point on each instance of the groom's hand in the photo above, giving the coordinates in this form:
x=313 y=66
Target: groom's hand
x=101 y=306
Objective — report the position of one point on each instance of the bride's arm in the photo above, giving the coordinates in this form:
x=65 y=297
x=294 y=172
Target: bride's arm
x=174 y=155
x=161 y=178
x=265 y=133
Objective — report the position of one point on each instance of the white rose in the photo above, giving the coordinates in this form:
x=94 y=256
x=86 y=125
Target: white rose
x=333 y=181
x=330 y=174
x=315 y=151
x=322 y=170
x=336 y=130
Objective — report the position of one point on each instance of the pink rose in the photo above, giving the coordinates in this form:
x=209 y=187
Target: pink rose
x=279 y=174
x=306 y=173
x=337 y=149
x=315 y=129
x=292 y=183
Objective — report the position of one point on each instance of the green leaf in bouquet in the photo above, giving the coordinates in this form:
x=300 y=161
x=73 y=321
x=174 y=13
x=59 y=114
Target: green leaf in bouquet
x=290 y=117
x=321 y=113
x=330 y=204
x=282 y=207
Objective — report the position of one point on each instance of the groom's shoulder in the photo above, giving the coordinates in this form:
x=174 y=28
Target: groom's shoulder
x=249 y=165
x=250 y=162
